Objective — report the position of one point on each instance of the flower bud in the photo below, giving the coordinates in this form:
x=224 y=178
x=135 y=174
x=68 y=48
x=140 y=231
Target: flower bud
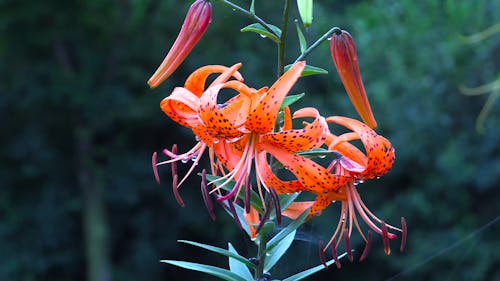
x=196 y=23
x=306 y=11
x=345 y=58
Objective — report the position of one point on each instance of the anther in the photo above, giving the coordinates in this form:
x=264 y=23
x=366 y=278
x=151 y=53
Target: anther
x=336 y=257
x=385 y=239
x=177 y=196
x=155 y=168
x=232 y=210
x=276 y=202
x=348 y=248
x=206 y=195
x=246 y=199
x=404 y=232
x=174 y=164
x=321 y=248
x=264 y=218
x=367 y=246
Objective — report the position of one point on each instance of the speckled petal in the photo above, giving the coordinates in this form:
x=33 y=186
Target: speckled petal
x=196 y=81
x=271 y=180
x=181 y=106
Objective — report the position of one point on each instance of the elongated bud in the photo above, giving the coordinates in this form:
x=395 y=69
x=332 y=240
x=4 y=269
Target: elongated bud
x=196 y=23
x=306 y=11
x=345 y=59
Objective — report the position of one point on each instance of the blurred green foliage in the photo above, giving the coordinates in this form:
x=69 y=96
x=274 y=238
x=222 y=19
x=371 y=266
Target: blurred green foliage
x=77 y=196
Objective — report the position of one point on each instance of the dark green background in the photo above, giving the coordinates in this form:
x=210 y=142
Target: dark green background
x=78 y=199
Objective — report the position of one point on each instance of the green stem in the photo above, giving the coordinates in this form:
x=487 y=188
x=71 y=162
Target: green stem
x=316 y=44
x=261 y=254
x=249 y=14
x=281 y=45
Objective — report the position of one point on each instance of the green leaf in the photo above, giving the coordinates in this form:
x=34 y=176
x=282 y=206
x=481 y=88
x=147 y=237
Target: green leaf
x=259 y=29
x=311 y=271
x=319 y=152
x=278 y=251
x=302 y=39
x=208 y=269
x=291 y=99
x=287 y=230
x=252 y=7
x=220 y=251
x=309 y=70
x=237 y=266
x=287 y=199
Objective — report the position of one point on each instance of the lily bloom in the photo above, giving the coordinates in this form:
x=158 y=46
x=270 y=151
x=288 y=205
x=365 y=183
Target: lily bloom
x=356 y=166
x=195 y=24
x=344 y=56
x=374 y=163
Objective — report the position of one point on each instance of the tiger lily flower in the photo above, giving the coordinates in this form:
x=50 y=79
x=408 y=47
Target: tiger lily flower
x=195 y=25
x=374 y=163
x=344 y=56
x=356 y=166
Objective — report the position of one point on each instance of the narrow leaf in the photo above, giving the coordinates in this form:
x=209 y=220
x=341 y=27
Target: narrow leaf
x=220 y=251
x=309 y=70
x=302 y=39
x=291 y=99
x=287 y=230
x=252 y=7
x=311 y=271
x=208 y=269
x=306 y=11
x=237 y=266
x=278 y=251
x=259 y=29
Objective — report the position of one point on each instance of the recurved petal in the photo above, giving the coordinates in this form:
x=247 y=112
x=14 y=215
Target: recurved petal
x=296 y=209
x=216 y=122
x=311 y=175
x=269 y=179
x=379 y=151
x=229 y=153
x=309 y=137
x=262 y=119
x=181 y=106
x=196 y=81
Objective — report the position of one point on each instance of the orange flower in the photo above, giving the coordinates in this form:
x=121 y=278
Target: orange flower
x=195 y=24
x=345 y=58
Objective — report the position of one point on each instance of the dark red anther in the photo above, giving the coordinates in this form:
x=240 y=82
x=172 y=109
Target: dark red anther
x=174 y=164
x=336 y=257
x=206 y=195
x=385 y=239
x=404 y=231
x=232 y=210
x=321 y=249
x=155 y=168
x=348 y=248
x=177 y=196
x=277 y=206
x=367 y=246
x=264 y=218
x=246 y=199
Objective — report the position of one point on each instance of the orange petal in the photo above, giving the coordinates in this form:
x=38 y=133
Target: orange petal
x=229 y=153
x=263 y=117
x=342 y=145
x=296 y=209
x=271 y=180
x=379 y=150
x=311 y=136
x=252 y=219
x=313 y=176
x=287 y=119
x=323 y=201
x=181 y=106
x=196 y=81
x=215 y=121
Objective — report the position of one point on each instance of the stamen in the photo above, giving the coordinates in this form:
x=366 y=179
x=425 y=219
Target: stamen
x=385 y=239
x=174 y=164
x=276 y=202
x=232 y=210
x=348 y=248
x=264 y=218
x=322 y=253
x=206 y=196
x=367 y=247
x=246 y=199
x=155 y=167
x=336 y=257
x=403 y=234
x=175 y=186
